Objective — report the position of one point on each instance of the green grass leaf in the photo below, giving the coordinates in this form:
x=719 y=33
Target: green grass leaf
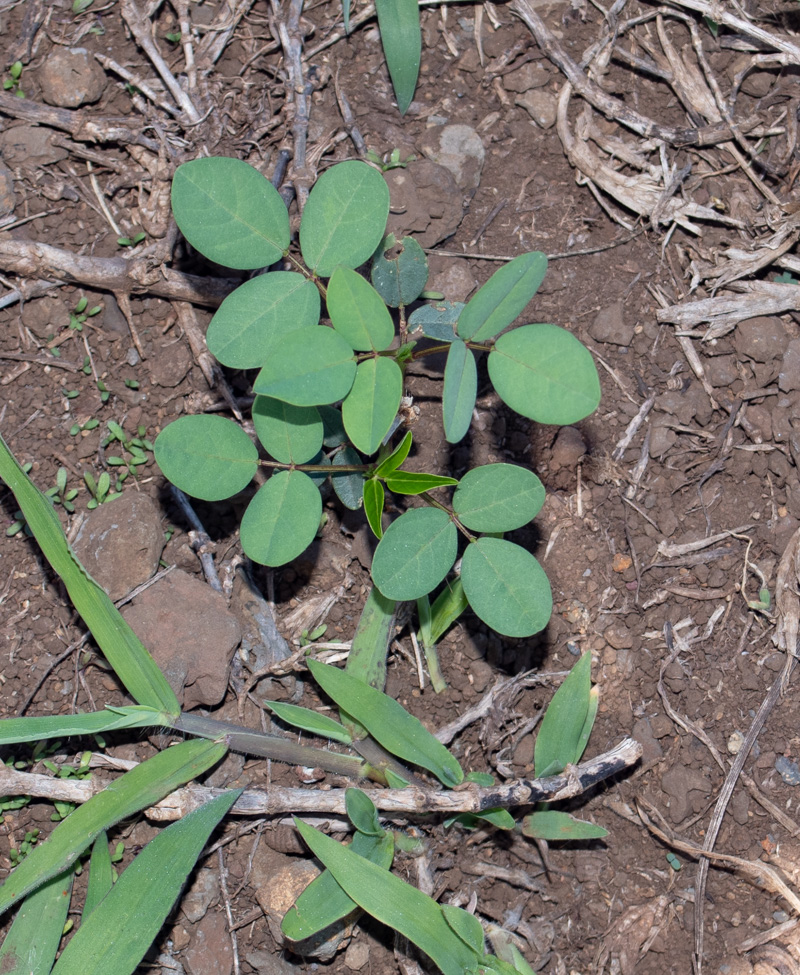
x=396 y=457
x=393 y=902
x=553 y=825
x=506 y=587
x=122 y=648
x=16 y=730
x=400 y=278
x=402 y=44
x=372 y=403
x=31 y=944
x=460 y=390
x=503 y=297
x=208 y=457
x=323 y=902
x=388 y=722
x=101 y=874
x=344 y=217
x=143 y=786
x=562 y=736
x=311 y=721
x=357 y=312
x=416 y=552
x=282 y=519
x=308 y=367
x=544 y=373
x=498 y=497
x=367 y=658
x=290 y=434
x=230 y=212
x=252 y=318
x=116 y=935
x=447 y=607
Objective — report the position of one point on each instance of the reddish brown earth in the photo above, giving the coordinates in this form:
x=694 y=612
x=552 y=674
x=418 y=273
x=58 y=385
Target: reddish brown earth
x=608 y=906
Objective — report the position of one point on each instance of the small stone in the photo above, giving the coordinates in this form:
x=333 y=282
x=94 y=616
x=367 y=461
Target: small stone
x=202 y=893
x=357 y=955
x=29 y=146
x=621 y=562
x=210 y=951
x=531 y=75
x=7 y=197
x=721 y=370
x=425 y=202
x=735 y=742
x=540 y=105
x=172 y=363
x=71 y=78
x=456 y=281
x=618 y=636
x=788 y=770
x=569 y=448
x=789 y=378
x=191 y=634
x=120 y=543
x=758 y=83
x=609 y=325
x=761 y=339
x=679 y=783
x=459 y=149
x=661 y=439
x=643 y=733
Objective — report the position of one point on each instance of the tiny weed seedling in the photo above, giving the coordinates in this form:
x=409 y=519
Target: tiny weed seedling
x=137 y=238
x=329 y=390
x=81 y=312
x=389 y=160
x=12 y=82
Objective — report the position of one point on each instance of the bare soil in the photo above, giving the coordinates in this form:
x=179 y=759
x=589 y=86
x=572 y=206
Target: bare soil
x=718 y=459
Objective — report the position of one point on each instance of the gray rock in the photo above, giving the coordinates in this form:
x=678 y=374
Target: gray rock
x=191 y=634
x=789 y=377
x=531 y=75
x=120 y=543
x=7 y=198
x=30 y=146
x=609 y=325
x=540 y=105
x=426 y=202
x=70 y=78
x=203 y=891
x=458 y=148
x=761 y=339
x=721 y=370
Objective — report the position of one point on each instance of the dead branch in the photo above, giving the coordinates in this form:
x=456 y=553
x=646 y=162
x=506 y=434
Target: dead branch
x=723 y=313
x=401 y=803
x=135 y=275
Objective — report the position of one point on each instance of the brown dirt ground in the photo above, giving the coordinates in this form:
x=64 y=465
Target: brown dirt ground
x=615 y=905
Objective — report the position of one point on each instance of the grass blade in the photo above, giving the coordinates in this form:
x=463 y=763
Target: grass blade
x=402 y=45
x=16 y=730
x=115 y=937
x=32 y=942
x=143 y=786
x=122 y=648
x=101 y=874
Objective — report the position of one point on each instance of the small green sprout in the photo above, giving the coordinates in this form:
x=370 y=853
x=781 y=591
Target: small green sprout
x=12 y=82
x=78 y=6
x=131 y=241
x=306 y=638
x=389 y=160
x=132 y=383
x=100 y=489
x=174 y=37
x=18 y=855
x=59 y=493
x=78 y=316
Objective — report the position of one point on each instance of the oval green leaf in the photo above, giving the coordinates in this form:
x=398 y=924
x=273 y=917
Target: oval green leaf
x=561 y=738
x=373 y=505
x=259 y=312
x=348 y=485
x=460 y=390
x=506 y=587
x=372 y=403
x=396 y=458
x=362 y=813
x=282 y=519
x=290 y=434
x=400 y=278
x=410 y=482
x=544 y=373
x=415 y=554
x=437 y=320
x=344 y=217
x=503 y=297
x=308 y=367
x=402 y=44
x=230 y=212
x=388 y=722
x=357 y=311
x=498 y=498
x=208 y=457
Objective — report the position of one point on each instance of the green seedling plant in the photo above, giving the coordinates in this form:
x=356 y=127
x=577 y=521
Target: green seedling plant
x=121 y=919
x=329 y=385
x=139 y=237
x=13 y=82
x=389 y=160
x=81 y=312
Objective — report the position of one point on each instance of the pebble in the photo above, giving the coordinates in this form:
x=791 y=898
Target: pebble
x=540 y=105
x=789 y=378
x=459 y=149
x=425 y=202
x=568 y=449
x=7 y=197
x=30 y=146
x=788 y=770
x=530 y=75
x=120 y=543
x=70 y=78
x=190 y=632
x=761 y=339
x=609 y=325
